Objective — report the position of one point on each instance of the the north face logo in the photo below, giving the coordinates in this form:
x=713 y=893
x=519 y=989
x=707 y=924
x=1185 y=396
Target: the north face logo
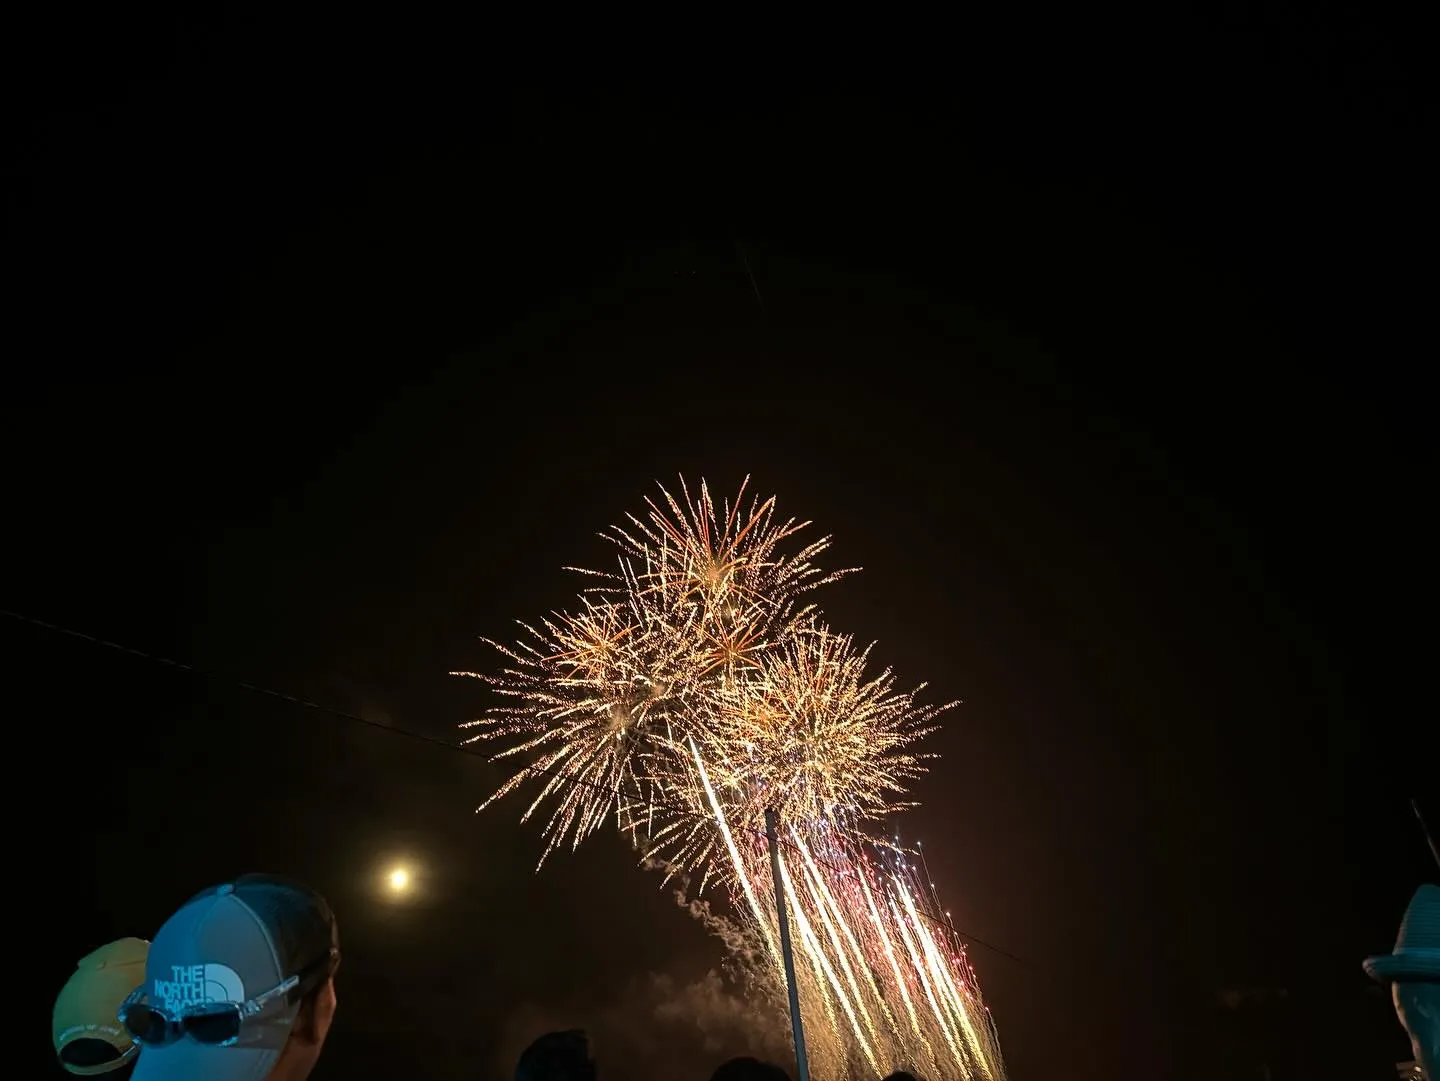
x=194 y=985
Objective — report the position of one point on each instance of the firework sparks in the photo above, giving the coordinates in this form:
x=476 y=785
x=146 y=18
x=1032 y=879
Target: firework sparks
x=588 y=692
x=692 y=689
x=724 y=565
x=604 y=698
x=806 y=733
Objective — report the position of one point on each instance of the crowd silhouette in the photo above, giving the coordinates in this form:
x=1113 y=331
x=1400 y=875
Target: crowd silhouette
x=239 y=985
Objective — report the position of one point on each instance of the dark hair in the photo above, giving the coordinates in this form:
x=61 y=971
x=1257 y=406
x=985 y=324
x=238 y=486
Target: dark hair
x=746 y=1068
x=557 y=1056
x=902 y=1075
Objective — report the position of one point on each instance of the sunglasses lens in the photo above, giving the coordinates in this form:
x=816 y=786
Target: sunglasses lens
x=219 y=1026
x=145 y=1024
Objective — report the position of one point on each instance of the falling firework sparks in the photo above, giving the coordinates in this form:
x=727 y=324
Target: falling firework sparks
x=692 y=689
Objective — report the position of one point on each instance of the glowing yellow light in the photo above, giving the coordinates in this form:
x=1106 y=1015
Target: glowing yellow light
x=399 y=880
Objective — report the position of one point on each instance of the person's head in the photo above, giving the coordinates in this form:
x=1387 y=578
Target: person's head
x=749 y=1069
x=1412 y=970
x=239 y=985
x=89 y=1039
x=557 y=1056
x=1417 y=1004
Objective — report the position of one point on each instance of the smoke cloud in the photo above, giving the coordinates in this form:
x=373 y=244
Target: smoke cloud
x=655 y=1027
x=659 y=1027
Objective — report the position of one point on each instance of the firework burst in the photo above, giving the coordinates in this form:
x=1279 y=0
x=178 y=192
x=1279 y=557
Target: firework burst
x=691 y=690
x=807 y=734
x=602 y=698
x=724 y=567
x=586 y=697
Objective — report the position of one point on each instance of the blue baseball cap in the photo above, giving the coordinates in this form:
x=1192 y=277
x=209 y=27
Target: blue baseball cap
x=260 y=944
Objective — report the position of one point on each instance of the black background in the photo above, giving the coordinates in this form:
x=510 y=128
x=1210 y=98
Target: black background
x=1094 y=338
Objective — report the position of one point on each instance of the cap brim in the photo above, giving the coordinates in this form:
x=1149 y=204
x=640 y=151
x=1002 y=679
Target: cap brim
x=1390 y=967
x=187 y=1060
x=123 y=1058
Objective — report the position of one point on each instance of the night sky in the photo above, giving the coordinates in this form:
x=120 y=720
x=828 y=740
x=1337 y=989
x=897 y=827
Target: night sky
x=1097 y=345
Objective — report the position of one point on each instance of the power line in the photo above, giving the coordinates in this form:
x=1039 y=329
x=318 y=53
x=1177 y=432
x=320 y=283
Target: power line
x=754 y=285
x=256 y=688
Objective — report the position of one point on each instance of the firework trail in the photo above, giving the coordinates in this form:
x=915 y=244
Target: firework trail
x=691 y=689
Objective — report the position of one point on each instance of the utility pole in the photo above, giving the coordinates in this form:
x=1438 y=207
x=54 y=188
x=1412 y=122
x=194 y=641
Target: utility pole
x=802 y=1067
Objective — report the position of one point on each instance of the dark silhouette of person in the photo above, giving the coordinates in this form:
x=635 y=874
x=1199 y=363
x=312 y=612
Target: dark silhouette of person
x=557 y=1056
x=1412 y=972
x=746 y=1068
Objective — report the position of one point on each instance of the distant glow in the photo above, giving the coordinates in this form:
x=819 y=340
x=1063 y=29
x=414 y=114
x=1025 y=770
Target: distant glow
x=399 y=880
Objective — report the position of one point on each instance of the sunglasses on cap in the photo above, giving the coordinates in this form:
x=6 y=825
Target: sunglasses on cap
x=217 y=1023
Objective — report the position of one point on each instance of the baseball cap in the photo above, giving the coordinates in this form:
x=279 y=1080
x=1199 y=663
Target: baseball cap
x=259 y=944
x=89 y=1040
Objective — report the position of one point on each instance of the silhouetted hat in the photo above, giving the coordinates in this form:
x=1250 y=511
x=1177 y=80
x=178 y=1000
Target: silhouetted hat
x=1416 y=956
